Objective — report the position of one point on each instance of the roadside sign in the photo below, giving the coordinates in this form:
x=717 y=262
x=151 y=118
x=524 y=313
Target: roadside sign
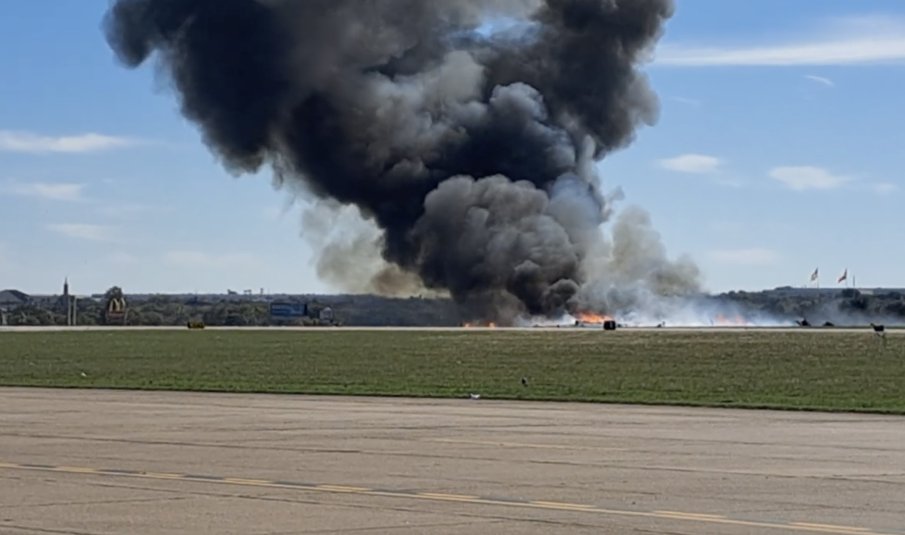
x=288 y=310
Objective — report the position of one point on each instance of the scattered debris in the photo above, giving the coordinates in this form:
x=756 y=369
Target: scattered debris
x=879 y=330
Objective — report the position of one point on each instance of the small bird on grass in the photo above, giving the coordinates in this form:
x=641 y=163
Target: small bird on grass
x=524 y=381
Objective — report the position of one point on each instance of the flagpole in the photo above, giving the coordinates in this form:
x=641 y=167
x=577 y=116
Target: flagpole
x=815 y=279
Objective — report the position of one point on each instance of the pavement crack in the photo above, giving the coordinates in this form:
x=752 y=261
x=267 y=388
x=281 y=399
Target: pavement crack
x=89 y=502
x=395 y=527
x=47 y=530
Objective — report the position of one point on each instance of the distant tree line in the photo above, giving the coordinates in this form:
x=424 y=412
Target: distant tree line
x=233 y=310
x=370 y=310
x=841 y=306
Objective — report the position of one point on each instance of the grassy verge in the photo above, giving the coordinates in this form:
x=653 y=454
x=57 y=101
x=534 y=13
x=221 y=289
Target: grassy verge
x=802 y=370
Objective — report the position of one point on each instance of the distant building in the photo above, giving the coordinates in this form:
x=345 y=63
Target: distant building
x=13 y=298
x=326 y=315
x=288 y=310
x=10 y=299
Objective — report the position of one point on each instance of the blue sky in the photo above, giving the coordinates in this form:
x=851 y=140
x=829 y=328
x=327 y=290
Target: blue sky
x=778 y=149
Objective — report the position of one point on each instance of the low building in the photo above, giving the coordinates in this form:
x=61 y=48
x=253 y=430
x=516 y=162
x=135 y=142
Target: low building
x=13 y=298
x=326 y=315
x=10 y=299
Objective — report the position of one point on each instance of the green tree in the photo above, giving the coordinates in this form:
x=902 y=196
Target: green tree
x=151 y=317
x=114 y=292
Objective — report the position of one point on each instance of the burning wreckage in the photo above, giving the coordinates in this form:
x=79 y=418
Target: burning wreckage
x=446 y=147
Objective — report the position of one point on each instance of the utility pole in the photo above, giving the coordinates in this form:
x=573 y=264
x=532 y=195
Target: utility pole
x=69 y=301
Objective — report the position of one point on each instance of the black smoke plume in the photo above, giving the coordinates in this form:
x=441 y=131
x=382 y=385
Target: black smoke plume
x=471 y=146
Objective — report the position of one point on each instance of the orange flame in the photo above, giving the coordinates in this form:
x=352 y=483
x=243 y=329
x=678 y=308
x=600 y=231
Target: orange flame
x=721 y=319
x=591 y=317
x=469 y=325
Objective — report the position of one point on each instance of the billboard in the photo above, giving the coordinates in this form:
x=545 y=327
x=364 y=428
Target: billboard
x=288 y=310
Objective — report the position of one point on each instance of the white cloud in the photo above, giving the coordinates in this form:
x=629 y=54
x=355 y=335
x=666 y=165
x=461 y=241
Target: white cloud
x=83 y=231
x=54 y=191
x=884 y=187
x=852 y=52
x=691 y=163
x=804 y=177
x=199 y=259
x=820 y=80
x=745 y=257
x=851 y=41
x=27 y=142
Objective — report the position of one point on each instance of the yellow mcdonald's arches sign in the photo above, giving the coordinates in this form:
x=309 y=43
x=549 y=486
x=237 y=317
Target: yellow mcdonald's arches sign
x=117 y=304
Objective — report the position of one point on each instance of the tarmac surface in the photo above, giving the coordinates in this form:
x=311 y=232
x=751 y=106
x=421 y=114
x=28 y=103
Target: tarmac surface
x=102 y=462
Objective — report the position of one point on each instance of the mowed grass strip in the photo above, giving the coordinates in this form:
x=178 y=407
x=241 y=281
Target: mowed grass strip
x=802 y=370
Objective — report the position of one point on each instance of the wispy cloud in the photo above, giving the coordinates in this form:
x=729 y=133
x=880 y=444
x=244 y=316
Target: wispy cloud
x=884 y=187
x=805 y=177
x=691 y=163
x=30 y=143
x=745 y=257
x=84 y=231
x=820 y=80
x=850 y=41
x=53 y=191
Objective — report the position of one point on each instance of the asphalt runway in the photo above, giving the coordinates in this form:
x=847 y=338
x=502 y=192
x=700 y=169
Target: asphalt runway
x=102 y=462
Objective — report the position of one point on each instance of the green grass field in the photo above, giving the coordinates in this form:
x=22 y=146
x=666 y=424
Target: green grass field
x=803 y=370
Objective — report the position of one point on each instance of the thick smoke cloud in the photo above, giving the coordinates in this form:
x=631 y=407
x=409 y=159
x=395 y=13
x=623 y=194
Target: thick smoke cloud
x=471 y=150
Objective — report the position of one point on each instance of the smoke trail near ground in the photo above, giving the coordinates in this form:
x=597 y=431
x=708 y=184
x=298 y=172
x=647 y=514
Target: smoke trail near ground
x=470 y=144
